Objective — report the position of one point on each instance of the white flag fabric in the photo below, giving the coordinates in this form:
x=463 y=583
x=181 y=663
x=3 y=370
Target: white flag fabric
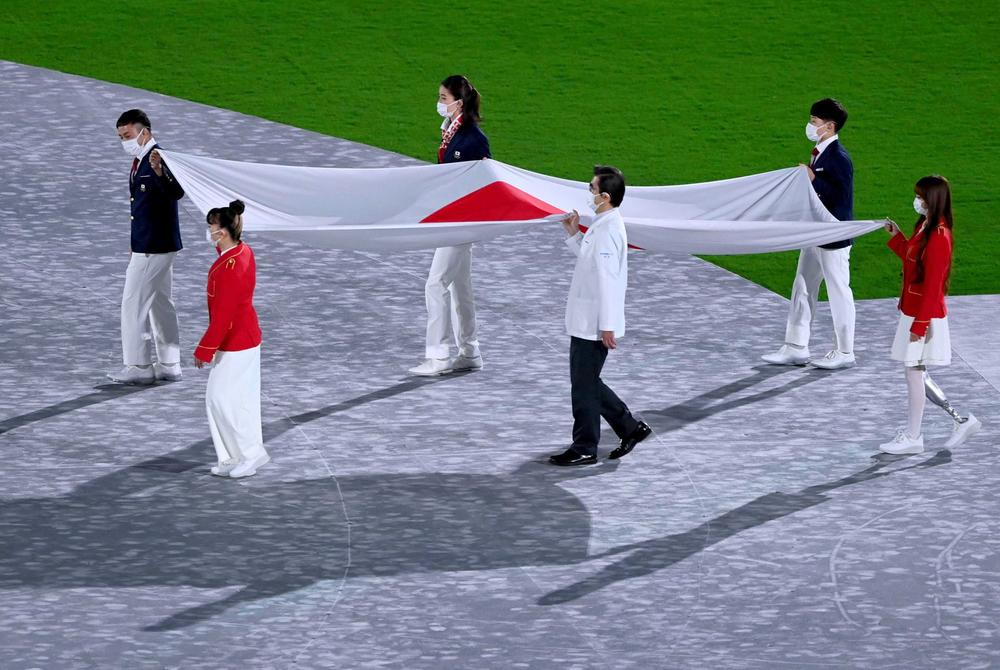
x=428 y=206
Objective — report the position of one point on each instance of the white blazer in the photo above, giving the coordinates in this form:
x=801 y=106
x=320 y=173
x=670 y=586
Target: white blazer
x=597 y=295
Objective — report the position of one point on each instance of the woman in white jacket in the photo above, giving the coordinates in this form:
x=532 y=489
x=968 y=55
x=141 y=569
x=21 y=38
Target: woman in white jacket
x=595 y=318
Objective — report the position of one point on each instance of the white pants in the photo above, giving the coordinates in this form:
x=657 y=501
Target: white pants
x=451 y=307
x=233 y=403
x=148 y=310
x=817 y=265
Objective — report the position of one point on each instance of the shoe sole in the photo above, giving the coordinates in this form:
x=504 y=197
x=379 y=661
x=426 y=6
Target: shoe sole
x=430 y=374
x=787 y=363
x=570 y=465
x=833 y=367
x=133 y=382
x=907 y=452
x=471 y=369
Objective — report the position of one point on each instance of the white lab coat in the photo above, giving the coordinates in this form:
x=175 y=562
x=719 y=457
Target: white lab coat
x=597 y=295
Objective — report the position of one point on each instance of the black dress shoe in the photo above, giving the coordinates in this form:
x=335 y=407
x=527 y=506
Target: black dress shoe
x=572 y=457
x=628 y=443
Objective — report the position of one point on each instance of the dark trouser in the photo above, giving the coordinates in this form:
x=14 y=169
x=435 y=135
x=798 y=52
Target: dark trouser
x=592 y=399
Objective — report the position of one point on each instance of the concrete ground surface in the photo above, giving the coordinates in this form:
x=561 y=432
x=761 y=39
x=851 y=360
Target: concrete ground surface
x=413 y=523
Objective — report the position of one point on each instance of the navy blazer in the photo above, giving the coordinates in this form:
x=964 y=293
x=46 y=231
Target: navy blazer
x=469 y=144
x=155 y=227
x=834 y=184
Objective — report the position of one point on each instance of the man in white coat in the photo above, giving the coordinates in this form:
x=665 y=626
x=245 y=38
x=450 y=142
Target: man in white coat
x=595 y=317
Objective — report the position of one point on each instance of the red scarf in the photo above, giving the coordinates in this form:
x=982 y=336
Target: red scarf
x=446 y=136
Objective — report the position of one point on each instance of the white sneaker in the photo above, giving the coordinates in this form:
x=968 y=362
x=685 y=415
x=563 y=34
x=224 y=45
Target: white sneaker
x=963 y=431
x=464 y=363
x=835 y=360
x=225 y=467
x=133 y=374
x=168 y=373
x=903 y=444
x=787 y=355
x=249 y=468
x=432 y=367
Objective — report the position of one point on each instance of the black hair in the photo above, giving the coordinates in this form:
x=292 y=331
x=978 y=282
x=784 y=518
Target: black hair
x=829 y=109
x=462 y=89
x=610 y=180
x=134 y=116
x=228 y=218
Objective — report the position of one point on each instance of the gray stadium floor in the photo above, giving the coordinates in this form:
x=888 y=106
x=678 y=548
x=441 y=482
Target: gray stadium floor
x=414 y=524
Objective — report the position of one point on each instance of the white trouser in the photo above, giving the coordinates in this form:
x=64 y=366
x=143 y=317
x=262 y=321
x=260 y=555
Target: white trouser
x=834 y=267
x=451 y=277
x=233 y=403
x=148 y=310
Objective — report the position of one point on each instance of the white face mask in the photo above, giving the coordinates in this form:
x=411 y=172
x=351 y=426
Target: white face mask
x=812 y=132
x=210 y=236
x=442 y=108
x=919 y=207
x=132 y=147
x=594 y=205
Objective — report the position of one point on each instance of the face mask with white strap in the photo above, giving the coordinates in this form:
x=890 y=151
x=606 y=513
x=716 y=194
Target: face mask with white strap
x=132 y=147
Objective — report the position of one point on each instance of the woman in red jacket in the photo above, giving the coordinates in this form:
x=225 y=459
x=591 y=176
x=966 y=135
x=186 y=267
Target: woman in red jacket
x=922 y=336
x=232 y=341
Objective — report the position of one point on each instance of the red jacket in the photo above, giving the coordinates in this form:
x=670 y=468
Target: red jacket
x=232 y=321
x=924 y=301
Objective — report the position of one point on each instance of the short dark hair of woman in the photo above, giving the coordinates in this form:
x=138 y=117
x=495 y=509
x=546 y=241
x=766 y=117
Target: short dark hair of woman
x=228 y=218
x=610 y=180
x=134 y=116
x=829 y=109
x=462 y=89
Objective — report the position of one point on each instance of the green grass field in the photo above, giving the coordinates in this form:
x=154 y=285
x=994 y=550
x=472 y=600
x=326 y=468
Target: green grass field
x=669 y=93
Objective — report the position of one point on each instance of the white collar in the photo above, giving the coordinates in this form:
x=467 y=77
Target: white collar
x=599 y=218
x=147 y=147
x=821 y=146
x=447 y=123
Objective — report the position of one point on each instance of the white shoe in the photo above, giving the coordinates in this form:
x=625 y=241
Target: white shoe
x=225 y=467
x=835 y=360
x=787 y=355
x=432 y=367
x=249 y=468
x=168 y=373
x=963 y=431
x=903 y=444
x=464 y=363
x=133 y=374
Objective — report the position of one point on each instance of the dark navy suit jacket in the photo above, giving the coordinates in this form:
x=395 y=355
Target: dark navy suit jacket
x=469 y=144
x=155 y=228
x=834 y=184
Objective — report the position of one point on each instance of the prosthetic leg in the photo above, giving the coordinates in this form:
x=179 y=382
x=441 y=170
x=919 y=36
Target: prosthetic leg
x=965 y=427
x=937 y=396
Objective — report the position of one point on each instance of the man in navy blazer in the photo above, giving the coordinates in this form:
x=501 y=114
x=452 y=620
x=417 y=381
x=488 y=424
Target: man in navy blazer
x=147 y=301
x=832 y=175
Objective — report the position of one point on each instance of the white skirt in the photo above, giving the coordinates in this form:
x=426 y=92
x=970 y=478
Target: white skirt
x=932 y=349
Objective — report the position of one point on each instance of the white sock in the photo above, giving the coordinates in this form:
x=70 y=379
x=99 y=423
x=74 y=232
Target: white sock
x=917 y=400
